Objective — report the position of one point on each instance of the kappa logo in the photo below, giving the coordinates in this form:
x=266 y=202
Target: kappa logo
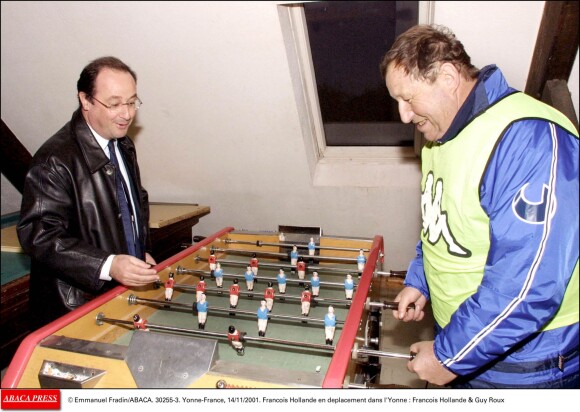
x=532 y=212
x=435 y=223
x=31 y=399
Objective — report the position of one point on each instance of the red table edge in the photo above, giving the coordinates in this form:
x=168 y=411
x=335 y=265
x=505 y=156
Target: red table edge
x=24 y=352
x=342 y=354
x=338 y=365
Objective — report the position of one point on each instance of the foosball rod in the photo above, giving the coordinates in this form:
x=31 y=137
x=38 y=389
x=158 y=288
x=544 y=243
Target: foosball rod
x=101 y=318
x=392 y=273
x=277 y=297
x=284 y=255
x=385 y=305
x=322 y=269
x=182 y=271
x=132 y=300
x=259 y=243
x=361 y=352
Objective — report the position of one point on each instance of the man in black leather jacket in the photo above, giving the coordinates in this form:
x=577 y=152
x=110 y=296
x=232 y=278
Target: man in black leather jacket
x=70 y=220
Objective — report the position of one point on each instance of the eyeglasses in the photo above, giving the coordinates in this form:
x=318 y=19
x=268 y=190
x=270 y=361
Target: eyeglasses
x=117 y=107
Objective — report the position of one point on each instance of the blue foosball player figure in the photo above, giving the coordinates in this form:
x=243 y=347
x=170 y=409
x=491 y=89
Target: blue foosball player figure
x=218 y=274
x=329 y=325
x=262 y=315
x=311 y=247
x=315 y=284
x=348 y=287
x=249 y=276
x=202 y=307
x=281 y=278
x=361 y=260
x=294 y=255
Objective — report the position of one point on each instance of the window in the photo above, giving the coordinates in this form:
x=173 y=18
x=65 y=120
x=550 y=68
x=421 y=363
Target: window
x=350 y=124
x=347 y=42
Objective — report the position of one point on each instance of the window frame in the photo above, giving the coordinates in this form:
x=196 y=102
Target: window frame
x=359 y=166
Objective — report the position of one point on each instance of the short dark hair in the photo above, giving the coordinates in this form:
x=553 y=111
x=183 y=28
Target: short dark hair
x=420 y=50
x=86 y=82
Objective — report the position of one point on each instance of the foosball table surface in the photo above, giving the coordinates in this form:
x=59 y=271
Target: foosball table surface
x=98 y=346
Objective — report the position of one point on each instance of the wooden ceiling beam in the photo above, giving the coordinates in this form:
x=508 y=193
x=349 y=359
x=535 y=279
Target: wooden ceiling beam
x=15 y=158
x=556 y=46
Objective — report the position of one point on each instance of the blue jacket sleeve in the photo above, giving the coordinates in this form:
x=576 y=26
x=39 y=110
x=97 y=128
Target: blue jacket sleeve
x=416 y=274
x=530 y=193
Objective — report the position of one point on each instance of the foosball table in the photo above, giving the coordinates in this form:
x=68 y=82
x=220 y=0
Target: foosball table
x=205 y=325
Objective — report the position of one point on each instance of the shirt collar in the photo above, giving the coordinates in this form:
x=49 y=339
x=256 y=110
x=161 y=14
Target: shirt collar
x=476 y=100
x=100 y=140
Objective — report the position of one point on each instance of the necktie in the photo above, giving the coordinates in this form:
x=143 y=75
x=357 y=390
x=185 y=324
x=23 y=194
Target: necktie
x=127 y=216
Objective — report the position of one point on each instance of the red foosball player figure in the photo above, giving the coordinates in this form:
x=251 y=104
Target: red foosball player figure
x=301 y=269
x=169 y=287
x=212 y=260
x=200 y=288
x=305 y=298
x=139 y=323
x=237 y=339
x=234 y=295
x=254 y=264
x=269 y=296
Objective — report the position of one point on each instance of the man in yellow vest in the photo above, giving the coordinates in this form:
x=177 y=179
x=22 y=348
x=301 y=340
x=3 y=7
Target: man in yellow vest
x=498 y=255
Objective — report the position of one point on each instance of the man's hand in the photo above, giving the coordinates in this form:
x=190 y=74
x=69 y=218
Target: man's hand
x=130 y=271
x=427 y=366
x=149 y=259
x=407 y=297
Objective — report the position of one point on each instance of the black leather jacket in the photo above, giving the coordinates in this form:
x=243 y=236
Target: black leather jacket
x=70 y=222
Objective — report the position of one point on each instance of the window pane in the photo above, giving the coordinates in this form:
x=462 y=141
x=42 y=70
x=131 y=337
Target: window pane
x=348 y=40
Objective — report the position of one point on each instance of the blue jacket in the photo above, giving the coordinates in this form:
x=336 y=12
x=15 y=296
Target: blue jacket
x=515 y=352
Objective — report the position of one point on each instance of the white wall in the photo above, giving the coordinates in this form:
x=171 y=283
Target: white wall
x=219 y=124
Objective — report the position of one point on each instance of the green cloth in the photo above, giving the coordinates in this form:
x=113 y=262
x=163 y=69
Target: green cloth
x=14 y=265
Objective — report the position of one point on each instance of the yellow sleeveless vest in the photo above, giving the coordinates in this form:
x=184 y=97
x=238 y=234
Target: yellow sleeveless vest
x=455 y=235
